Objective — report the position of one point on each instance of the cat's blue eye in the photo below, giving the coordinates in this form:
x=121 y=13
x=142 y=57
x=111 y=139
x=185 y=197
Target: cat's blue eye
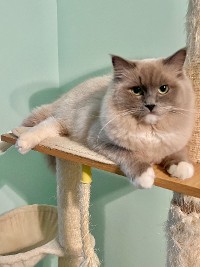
x=137 y=90
x=163 y=89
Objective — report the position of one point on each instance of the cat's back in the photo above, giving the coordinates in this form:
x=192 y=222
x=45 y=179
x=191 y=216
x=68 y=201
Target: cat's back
x=84 y=92
x=79 y=107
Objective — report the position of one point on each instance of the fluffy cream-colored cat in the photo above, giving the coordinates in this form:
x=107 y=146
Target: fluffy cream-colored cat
x=141 y=115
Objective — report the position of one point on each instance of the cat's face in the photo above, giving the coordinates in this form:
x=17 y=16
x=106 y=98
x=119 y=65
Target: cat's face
x=151 y=89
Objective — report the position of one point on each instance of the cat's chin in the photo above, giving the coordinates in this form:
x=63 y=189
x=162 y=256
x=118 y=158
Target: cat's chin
x=151 y=119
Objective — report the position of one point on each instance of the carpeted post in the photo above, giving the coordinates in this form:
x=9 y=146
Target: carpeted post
x=193 y=69
x=183 y=232
x=183 y=225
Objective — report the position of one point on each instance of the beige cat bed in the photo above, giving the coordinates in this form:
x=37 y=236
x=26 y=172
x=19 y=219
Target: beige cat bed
x=27 y=235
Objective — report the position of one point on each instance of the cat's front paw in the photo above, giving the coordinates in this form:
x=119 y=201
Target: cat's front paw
x=26 y=142
x=145 y=180
x=182 y=170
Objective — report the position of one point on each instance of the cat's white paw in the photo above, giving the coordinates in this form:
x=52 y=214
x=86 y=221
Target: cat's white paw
x=146 y=179
x=182 y=170
x=26 y=142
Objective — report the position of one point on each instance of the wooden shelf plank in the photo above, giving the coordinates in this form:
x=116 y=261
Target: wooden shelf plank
x=188 y=187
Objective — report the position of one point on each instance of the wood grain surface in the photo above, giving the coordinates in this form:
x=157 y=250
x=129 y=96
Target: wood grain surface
x=188 y=187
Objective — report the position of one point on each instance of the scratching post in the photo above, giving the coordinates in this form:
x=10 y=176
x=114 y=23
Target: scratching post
x=73 y=215
x=193 y=69
x=68 y=180
x=183 y=225
x=90 y=257
x=183 y=232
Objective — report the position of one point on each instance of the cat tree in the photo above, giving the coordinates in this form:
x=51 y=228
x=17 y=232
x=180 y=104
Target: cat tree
x=74 y=244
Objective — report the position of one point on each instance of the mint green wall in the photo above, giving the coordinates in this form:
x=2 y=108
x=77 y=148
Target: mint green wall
x=28 y=55
x=28 y=67
x=47 y=47
x=91 y=30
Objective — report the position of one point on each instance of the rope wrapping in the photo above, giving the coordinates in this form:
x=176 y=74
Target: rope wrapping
x=73 y=199
x=192 y=67
x=69 y=234
x=90 y=257
x=183 y=232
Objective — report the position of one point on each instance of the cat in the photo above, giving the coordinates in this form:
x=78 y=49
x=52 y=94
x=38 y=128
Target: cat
x=142 y=114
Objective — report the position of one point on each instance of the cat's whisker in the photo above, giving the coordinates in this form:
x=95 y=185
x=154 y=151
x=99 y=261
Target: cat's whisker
x=172 y=109
x=180 y=113
x=98 y=136
x=177 y=108
x=124 y=113
x=185 y=110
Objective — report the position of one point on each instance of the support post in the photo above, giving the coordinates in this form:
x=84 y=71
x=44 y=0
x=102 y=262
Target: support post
x=192 y=67
x=183 y=232
x=183 y=225
x=90 y=257
x=69 y=233
x=73 y=199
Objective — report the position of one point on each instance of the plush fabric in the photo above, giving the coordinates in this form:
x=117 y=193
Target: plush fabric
x=27 y=235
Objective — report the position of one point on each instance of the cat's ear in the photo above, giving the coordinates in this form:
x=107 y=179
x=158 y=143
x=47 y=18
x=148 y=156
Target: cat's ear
x=177 y=59
x=121 y=66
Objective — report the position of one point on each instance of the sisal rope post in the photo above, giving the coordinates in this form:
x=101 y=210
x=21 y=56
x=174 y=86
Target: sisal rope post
x=183 y=225
x=183 y=232
x=193 y=69
x=69 y=234
x=90 y=257
x=73 y=199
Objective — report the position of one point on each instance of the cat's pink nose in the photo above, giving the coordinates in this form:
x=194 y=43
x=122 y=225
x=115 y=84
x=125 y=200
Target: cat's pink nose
x=150 y=107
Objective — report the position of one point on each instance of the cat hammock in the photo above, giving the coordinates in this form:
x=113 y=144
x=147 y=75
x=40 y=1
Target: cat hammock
x=74 y=244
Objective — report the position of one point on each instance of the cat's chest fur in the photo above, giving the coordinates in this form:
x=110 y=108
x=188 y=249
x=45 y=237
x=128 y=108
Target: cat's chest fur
x=149 y=143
